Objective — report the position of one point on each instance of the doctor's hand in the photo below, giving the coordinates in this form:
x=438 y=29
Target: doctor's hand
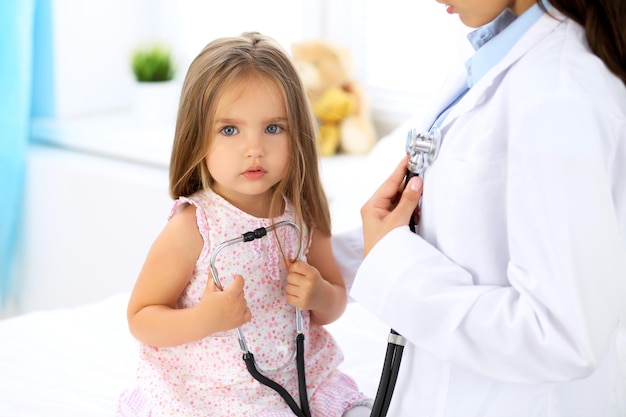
x=391 y=206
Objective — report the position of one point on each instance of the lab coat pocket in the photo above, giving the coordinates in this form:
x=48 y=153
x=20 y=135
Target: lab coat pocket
x=464 y=190
x=464 y=209
x=465 y=172
x=475 y=185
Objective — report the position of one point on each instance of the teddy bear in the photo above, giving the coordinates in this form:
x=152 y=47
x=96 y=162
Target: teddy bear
x=338 y=101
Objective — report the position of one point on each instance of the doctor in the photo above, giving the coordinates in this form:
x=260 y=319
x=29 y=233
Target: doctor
x=512 y=292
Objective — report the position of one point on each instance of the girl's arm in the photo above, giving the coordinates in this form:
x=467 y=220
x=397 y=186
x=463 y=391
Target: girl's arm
x=317 y=285
x=152 y=316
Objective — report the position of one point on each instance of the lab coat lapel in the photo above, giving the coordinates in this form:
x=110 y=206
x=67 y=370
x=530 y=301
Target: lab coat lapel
x=449 y=91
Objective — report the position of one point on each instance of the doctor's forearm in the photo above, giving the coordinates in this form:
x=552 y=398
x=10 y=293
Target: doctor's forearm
x=435 y=305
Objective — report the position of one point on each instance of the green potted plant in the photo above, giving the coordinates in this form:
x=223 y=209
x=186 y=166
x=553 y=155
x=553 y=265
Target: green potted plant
x=156 y=92
x=153 y=63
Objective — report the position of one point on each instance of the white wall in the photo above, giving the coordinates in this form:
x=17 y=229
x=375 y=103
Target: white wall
x=92 y=43
x=88 y=224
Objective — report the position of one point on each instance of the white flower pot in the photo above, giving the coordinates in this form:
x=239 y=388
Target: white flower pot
x=156 y=103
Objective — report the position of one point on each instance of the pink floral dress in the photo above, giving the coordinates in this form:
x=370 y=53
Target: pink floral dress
x=208 y=377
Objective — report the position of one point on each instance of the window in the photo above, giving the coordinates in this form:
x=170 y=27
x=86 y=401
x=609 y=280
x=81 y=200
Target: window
x=402 y=49
x=201 y=21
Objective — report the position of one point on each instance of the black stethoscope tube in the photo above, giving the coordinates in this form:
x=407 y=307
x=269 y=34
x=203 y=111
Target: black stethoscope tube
x=304 y=398
x=303 y=410
x=410 y=175
x=391 y=367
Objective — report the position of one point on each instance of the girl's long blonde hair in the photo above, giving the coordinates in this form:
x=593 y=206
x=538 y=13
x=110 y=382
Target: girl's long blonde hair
x=222 y=65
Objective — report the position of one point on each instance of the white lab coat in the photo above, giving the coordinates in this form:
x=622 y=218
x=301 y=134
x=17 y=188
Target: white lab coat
x=512 y=295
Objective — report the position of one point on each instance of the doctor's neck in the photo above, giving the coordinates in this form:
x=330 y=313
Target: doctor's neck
x=520 y=6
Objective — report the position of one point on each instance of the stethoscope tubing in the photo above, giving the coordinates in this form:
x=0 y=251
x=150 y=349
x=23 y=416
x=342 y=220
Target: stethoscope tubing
x=301 y=411
x=255 y=371
x=393 y=357
x=389 y=375
x=422 y=150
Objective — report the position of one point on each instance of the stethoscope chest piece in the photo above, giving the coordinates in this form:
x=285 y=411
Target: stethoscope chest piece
x=422 y=149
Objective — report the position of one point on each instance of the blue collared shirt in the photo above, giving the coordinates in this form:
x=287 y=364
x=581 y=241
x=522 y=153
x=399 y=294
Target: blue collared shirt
x=491 y=43
x=495 y=39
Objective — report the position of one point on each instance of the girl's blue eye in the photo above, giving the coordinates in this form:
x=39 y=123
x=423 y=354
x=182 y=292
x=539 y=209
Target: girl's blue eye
x=229 y=130
x=274 y=129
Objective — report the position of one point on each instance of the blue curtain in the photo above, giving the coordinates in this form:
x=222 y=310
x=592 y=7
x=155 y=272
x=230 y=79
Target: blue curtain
x=16 y=58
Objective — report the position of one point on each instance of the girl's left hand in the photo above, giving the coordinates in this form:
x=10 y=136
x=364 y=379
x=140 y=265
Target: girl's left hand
x=304 y=286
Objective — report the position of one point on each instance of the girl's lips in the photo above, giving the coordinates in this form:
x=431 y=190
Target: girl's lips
x=254 y=173
x=449 y=9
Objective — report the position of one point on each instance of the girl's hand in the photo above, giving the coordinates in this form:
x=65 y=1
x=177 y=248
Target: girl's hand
x=305 y=286
x=223 y=310
x=390 y=206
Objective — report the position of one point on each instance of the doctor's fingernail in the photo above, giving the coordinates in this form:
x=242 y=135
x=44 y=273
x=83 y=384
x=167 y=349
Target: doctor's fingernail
x=415 y=184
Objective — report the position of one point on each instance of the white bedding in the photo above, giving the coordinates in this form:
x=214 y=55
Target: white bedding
x=75 y=362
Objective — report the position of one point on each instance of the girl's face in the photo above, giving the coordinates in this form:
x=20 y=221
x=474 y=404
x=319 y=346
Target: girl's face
x=475 y=13
x=249 y=145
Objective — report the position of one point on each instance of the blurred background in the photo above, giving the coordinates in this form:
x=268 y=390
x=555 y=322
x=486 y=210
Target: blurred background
x=84 y=153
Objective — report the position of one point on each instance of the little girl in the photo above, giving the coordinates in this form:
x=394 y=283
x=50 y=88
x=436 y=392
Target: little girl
x=244 y=157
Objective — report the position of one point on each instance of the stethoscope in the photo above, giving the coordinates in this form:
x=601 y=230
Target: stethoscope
x=422 y=149
x=256 y=371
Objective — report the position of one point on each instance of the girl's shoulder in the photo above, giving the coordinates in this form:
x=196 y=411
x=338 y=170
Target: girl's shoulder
x=204 y=200
x=184 y=203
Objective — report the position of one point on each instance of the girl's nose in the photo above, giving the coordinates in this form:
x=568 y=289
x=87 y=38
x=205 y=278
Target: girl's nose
x=254 y=146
